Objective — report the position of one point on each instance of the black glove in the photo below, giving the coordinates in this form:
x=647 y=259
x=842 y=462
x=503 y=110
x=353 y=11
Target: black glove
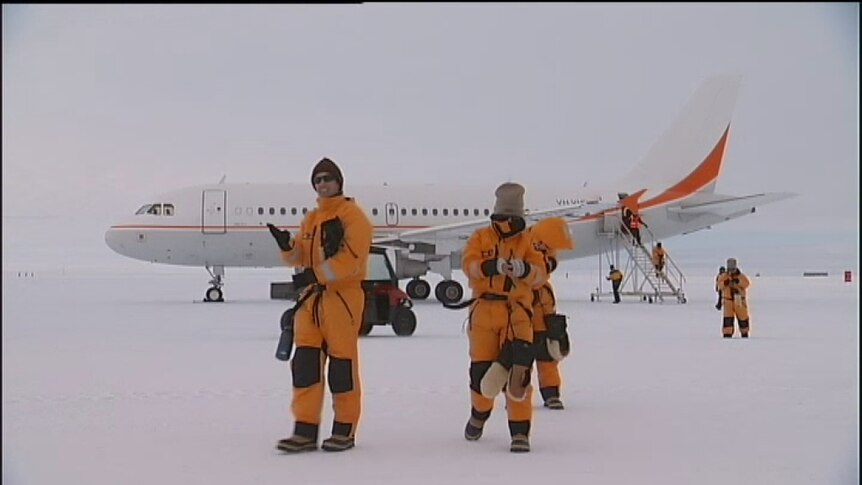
x=304 y=279
x=281 y=237
x=735 y=281
x=333 y=236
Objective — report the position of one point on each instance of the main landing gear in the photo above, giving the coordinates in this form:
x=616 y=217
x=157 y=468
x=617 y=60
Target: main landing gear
x=215 y=293
x=447 y=291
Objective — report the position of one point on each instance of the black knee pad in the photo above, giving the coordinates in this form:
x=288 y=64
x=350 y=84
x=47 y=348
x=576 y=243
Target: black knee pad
x=522 y=353
x=477 y=371
x=743 y=324
x=728 y=322
x=340 y=375
x=305 y=367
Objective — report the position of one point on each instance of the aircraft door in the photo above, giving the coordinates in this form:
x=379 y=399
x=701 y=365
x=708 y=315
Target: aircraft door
x=391 y=214
x=213 y=212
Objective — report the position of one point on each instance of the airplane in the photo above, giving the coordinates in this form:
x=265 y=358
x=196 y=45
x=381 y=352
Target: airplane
x=672 y=188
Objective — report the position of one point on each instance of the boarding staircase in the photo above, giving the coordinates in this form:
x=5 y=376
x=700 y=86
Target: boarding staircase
x=640 y=277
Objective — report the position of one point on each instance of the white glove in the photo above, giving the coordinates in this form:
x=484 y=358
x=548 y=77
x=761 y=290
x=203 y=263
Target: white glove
x=502 y=266
x=519 y=267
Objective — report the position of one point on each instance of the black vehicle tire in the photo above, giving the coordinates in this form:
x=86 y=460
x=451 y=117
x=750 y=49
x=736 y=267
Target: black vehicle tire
x=403 y=321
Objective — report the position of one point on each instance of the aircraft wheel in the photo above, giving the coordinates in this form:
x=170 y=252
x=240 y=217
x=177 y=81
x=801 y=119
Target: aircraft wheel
x=214 y=294
x=449 y=291
x=418 y=289
x=403 y=321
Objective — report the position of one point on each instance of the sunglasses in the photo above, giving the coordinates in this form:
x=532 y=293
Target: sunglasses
x=323 y=178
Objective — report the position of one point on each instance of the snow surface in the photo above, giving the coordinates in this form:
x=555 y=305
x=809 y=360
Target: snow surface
x=122 y=378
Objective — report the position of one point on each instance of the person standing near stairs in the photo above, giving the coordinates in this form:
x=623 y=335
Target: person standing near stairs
x=616 y=278
x=550 y=337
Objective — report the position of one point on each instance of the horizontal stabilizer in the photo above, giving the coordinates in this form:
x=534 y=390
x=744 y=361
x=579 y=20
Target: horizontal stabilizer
x=723 y=205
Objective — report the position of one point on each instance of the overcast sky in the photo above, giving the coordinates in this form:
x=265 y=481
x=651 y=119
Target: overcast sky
x=104 y=106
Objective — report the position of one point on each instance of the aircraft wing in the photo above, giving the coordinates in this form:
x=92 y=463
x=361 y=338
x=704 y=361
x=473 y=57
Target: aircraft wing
x=463 y=230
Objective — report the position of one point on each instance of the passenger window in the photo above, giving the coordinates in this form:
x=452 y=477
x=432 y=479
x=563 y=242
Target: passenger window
x=424 y=212
x=466 y=212
x=414 y=211
x=272 y=211
x=433 y=212
x=445 y=212
x=475 y=212
x=391 y=211
x=293 y=210
x=283 y=211
x=487 y=212
x=403 y=212
x=304 y=210
x=374 y=211
x=260 y=211
x=454 y=212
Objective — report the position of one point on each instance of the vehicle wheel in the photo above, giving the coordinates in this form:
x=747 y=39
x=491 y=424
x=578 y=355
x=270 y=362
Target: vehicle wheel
x=365 y=328
x=592 y=297
x=403 y=321
x=449 y=292
x=214 y=294
x=418 y=289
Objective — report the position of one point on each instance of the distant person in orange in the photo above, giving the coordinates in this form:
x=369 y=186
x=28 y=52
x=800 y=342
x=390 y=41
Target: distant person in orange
x=734 y=286
x=635 y=228
x=616 y=278
x=658 y=257
x=721 y=271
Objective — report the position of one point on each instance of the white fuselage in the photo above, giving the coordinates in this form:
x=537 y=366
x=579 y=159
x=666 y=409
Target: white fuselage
x=225 y=224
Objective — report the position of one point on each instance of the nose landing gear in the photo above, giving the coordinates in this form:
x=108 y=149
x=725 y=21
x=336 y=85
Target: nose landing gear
x=215 y=293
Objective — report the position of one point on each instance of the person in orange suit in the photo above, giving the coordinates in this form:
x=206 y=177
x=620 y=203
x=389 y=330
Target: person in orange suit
x=550 y=336
x=503 y=269
x=332 y=248
x=658 y=257
x=734 y=288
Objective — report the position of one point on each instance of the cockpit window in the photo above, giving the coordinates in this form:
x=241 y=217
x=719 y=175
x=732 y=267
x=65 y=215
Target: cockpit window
x=156 y=209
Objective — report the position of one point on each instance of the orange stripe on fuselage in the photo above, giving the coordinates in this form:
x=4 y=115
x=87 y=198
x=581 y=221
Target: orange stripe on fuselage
x=235 y=228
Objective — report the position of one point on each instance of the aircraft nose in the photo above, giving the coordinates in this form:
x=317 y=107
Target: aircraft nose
x=114 y=240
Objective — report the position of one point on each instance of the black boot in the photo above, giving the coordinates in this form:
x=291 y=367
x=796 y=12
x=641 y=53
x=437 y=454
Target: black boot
x=520 y=431
x=341 y=438
x=304 y=439
x=551 y=396
x=475 y=425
